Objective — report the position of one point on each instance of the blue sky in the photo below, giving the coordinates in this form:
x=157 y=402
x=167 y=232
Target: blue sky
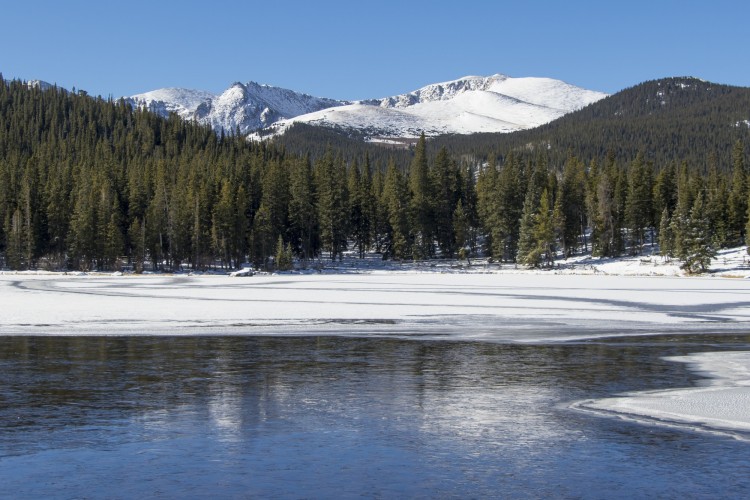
x=357 y=50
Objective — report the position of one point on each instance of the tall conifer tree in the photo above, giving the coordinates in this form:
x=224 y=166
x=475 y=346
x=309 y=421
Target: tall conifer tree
x=421 y=203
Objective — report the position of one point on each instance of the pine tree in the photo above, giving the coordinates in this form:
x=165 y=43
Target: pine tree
x=379 y=211
x=83 y=235
x=538 y=235
x=276 y=195
x=57 y=194
x=283 y=256
x=444 y=180
x=559 y=219
x=28 y=204
x=679 y=227
x=685 y=191
x=639 y=203
x=571 y=206
x=510 y=192
x=679 y=224
x=303 y=220
x=395 y=199
x=421 y=219
x=544 y=232
x=666 y=238
x=529 y=248
x=137 y=237
x=114 y=241
x=716 y=203
x=242 y=225
x=698 y=246
x=360 y=208
x=487 y=200
x=737 y=204
x=158 y=220
x=262 y=236
x=367 y=208
x=223 y=224
x=665 y=190
x=14 y=255
x=462 y=229
x=468 y=199
x=619 y=222
x=332 y=204
x=602 y=206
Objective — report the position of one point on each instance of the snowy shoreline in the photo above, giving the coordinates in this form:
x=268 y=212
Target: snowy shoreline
x=720 y=402
x=523 y=307
x=486 y=307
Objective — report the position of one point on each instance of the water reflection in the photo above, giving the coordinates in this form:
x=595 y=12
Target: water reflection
x=324 y=417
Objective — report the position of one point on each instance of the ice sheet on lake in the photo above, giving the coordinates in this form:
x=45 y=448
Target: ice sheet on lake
x=723 y=402
x=488 y=307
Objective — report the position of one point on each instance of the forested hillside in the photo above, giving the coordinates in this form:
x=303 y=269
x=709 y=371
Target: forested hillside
x=682 y=119
x=92 y=184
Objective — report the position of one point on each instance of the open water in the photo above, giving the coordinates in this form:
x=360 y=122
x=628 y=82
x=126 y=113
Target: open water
x=334 y=417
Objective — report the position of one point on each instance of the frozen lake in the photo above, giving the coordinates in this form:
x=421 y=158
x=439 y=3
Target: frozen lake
x=487 y=307
x=323 y=417
x=381 y=384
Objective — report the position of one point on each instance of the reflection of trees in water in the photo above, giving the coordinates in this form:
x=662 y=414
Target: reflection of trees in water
x=264 y=375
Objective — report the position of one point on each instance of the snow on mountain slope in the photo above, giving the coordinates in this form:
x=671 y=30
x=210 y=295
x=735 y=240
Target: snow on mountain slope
x=252 y=106
x=496 y=103
x=545 y=92
x=184 y=102
x=468 y=105
x=40 y=84
x=248 y=106
x=465 y=114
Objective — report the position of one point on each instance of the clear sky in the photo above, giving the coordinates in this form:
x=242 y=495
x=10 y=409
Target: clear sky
x=357 y=50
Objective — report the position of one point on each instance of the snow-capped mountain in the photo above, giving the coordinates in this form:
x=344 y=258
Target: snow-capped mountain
x=184 y=102
x=468 y=105
x=40 y=84
x=249 y=106
x=544 y=92
x=472 y=104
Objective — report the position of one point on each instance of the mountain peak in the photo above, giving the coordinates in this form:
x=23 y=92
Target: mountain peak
x=471 y=104
x=40 y=84
x=496 y=103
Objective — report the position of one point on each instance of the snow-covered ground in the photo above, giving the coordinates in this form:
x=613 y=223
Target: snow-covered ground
x=728 y=263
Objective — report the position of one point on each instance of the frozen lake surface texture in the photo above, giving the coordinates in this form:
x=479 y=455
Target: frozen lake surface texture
x=381 y=384
x=492 y=307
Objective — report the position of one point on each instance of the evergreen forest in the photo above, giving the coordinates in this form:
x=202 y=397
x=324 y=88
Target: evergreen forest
x=93 y=184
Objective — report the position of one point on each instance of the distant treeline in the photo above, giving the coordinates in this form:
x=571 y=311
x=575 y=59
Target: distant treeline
x=88 y=184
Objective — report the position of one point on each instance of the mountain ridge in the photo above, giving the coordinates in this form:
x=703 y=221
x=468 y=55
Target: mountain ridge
x=666 y=119
x=471 y=104
x=672 y=118
x=246 y=107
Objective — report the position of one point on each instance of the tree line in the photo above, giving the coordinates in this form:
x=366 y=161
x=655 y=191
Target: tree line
x=92 y=184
